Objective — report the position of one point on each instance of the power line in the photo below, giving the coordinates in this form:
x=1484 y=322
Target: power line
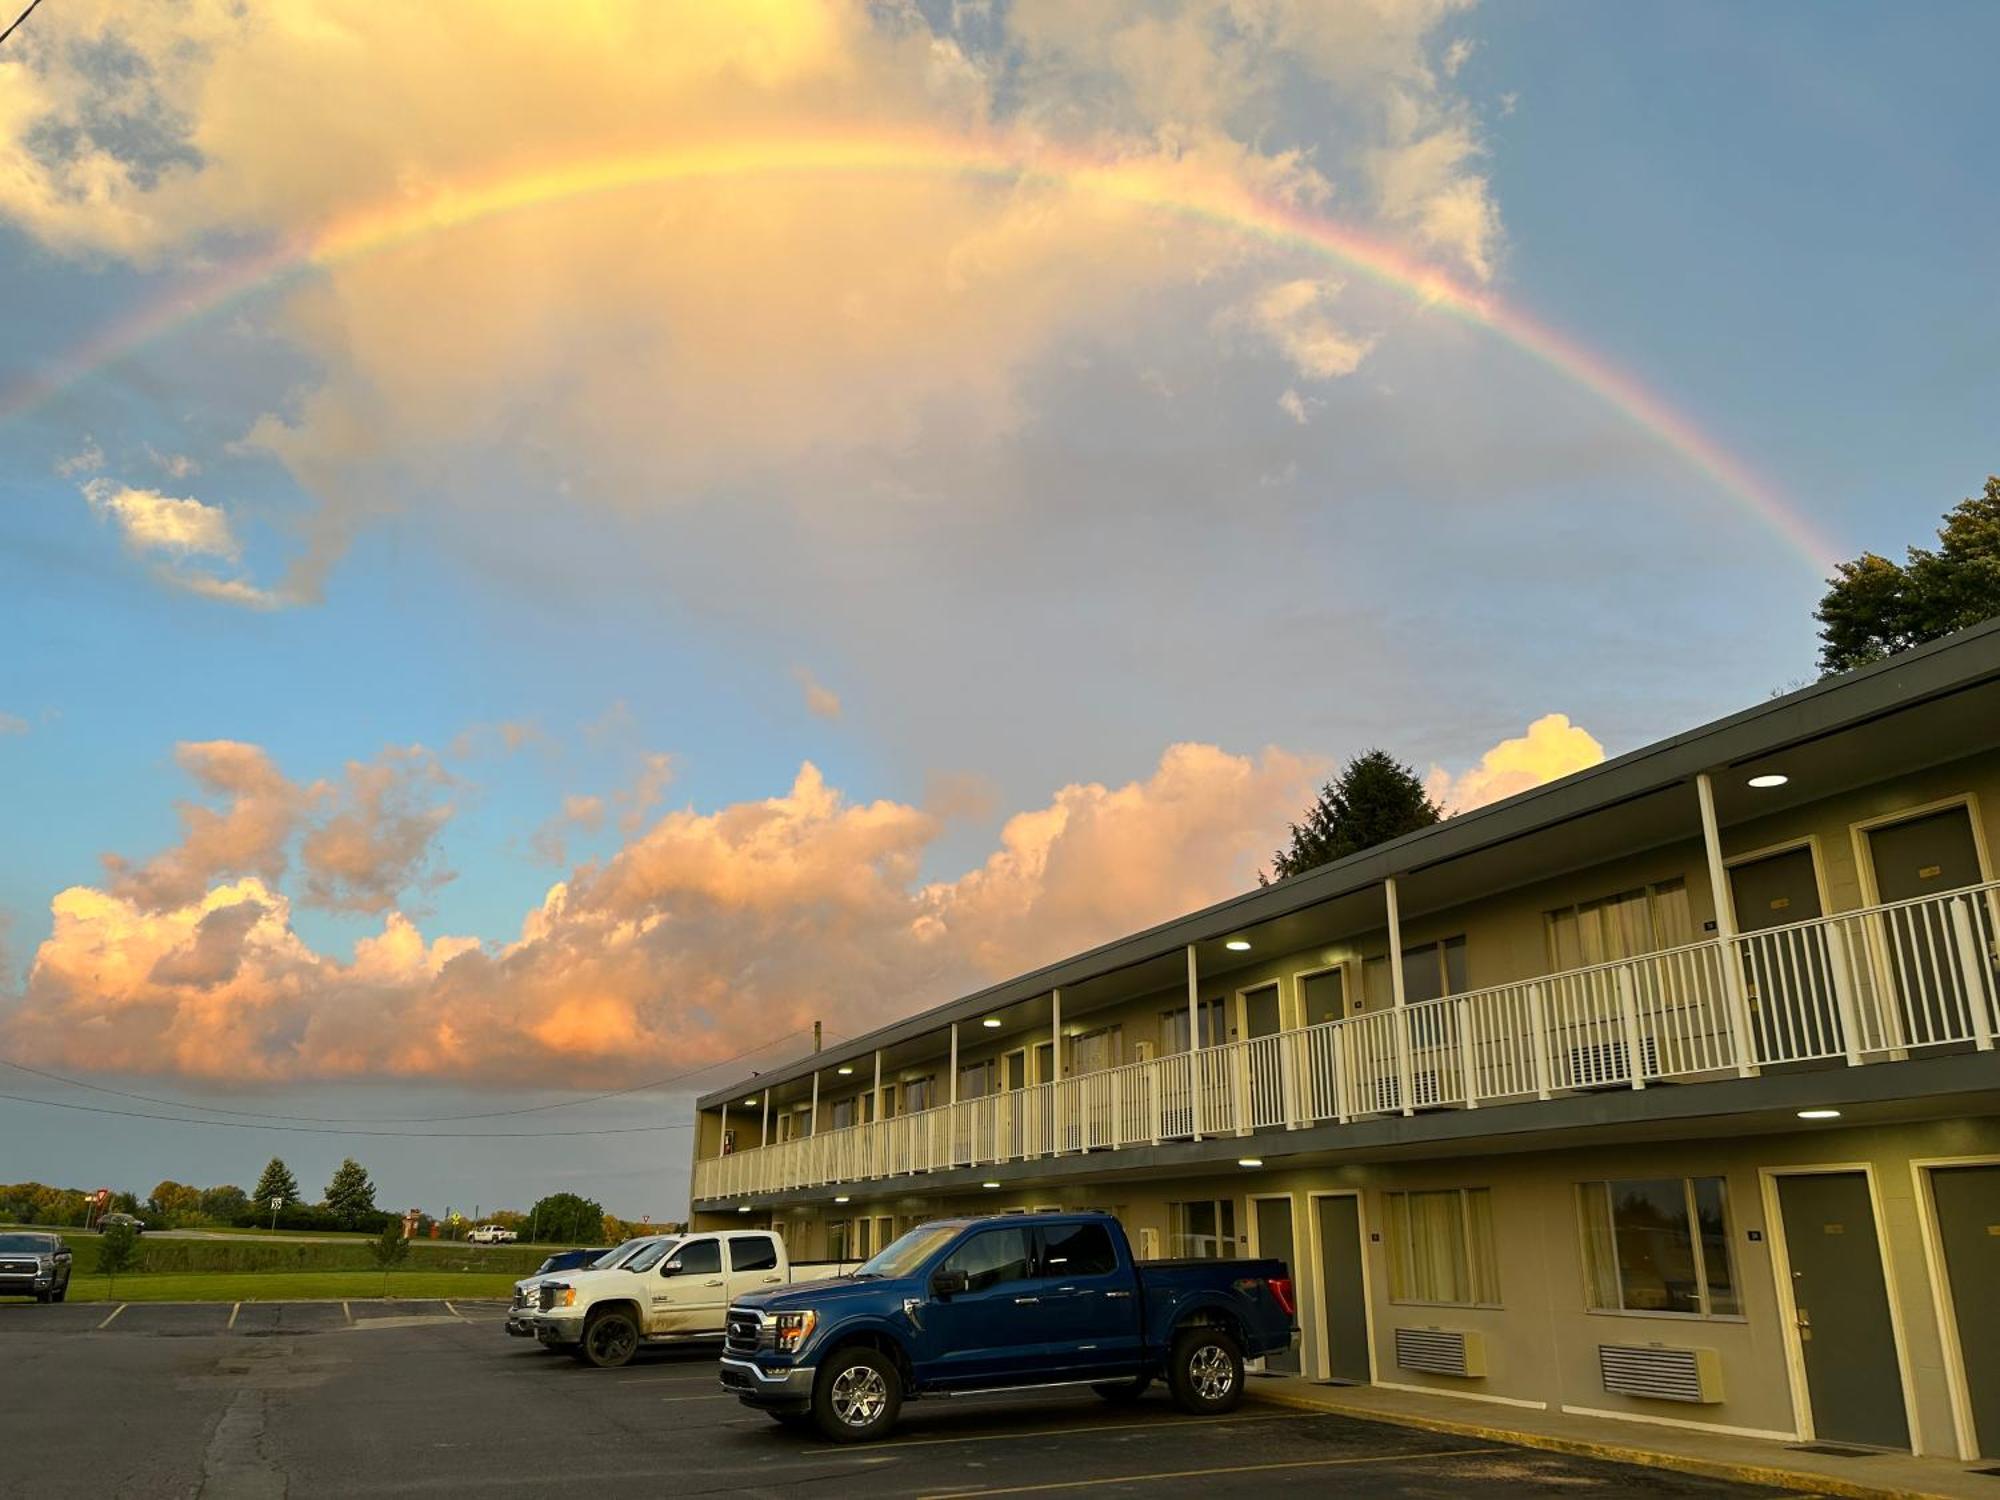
x=19 y=19
x=492 y=1114
x=413 y=1135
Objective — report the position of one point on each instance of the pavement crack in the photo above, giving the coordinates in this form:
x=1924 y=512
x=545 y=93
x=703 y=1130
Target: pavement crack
x=235 y=1465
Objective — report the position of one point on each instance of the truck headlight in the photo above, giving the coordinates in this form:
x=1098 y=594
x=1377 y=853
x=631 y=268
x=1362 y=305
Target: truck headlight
x=794 y=1328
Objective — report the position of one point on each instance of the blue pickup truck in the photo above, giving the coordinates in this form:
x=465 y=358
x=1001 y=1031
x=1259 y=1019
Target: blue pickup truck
x=1010 y=1302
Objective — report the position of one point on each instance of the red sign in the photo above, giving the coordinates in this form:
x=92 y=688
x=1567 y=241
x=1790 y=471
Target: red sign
x=102 y=1195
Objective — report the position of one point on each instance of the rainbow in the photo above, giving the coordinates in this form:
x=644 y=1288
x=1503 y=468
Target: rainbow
x=1176 y=188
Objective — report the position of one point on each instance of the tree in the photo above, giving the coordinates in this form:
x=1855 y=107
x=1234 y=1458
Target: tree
x=277 y=1182
x=223 y=1205
x=175 y=1203
x=117 y=1251
x=1874 y=607
x=1375 y=798
x=350 y=1197
x=389 y=1248
x=566 y=1217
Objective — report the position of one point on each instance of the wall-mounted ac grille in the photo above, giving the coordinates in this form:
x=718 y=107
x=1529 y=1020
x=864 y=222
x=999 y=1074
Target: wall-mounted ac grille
x=1605 y=1062
x=1661 y=1374
x=1441 y=1351
x=1425 y=1091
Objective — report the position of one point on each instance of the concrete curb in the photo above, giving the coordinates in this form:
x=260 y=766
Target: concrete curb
x=1803 y=1481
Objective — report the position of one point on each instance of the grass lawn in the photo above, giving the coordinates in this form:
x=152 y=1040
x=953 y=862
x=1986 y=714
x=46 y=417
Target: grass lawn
x=288 y=1286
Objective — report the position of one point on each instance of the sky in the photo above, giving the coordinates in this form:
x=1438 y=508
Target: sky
x=544 y=554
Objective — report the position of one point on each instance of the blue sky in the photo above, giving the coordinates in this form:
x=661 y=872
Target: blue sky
x=1035 y=489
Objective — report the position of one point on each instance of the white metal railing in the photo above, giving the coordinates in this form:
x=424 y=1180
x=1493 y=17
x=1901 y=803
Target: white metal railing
x=1874 y=985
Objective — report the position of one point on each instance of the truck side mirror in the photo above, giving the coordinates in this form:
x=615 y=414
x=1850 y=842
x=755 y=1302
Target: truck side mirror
x=671 y=1268
x=949 y=1283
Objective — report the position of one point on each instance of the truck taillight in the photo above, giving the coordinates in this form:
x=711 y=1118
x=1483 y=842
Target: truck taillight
x=1281 y=1288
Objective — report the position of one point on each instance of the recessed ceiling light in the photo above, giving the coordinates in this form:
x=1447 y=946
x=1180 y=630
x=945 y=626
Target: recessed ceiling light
x=1238 y=945
x=845 y=1072
x=991 y=1023
x=841 y=1199
x=743 y=1208
x=1819 y=1114
x=1249 y=1161
x=1769 y=779
x=989 y=1184
x=751 y=1100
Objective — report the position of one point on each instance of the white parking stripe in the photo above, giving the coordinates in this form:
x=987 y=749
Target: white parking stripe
x=114 y=1313
x=1165 y=1474
x=347 y=1312
x=232 y=1316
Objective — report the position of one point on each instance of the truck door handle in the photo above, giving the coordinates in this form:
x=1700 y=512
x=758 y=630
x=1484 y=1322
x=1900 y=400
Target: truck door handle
x=713 y=1283
x=1025 y=1301
x=772 y=1280
x=1117 y=1294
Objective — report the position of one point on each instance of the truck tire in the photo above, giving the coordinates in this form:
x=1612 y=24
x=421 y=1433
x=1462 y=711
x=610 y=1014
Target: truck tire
x=857 y=1395
x=610 y=1339
x=1123 y=1392
x=1205 y=1371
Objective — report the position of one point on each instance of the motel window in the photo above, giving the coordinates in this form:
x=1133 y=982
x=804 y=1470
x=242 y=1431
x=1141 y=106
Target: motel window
x=1430 y=971
x=917 y=1094
x=1644 y=920
x=975 y=1081
x=1174 y=1026
x=1204 y=1230
x=845 y=1112
x=1658 y=1245
x=1441 y=1248
x=1096 y=1051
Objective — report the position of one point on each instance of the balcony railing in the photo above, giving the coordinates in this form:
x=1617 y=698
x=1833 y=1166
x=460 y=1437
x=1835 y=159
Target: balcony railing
x=1866 y=986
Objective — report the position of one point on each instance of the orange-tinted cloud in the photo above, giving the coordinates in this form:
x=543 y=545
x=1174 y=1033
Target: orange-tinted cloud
x=704 y=935
x=1553 y=747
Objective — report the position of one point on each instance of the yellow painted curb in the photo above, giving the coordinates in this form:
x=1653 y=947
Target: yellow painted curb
x=1801 y=1480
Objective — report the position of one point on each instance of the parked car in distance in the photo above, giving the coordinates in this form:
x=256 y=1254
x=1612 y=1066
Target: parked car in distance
x=1001 y=1303
x=491 y=1234
x=107 y=1220
x=34 y=1265
x=521 y=1311
x=677 y=1289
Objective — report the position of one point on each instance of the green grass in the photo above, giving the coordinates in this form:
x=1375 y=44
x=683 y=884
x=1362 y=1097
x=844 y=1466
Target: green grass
x=288 y=1286
x=165 y=1257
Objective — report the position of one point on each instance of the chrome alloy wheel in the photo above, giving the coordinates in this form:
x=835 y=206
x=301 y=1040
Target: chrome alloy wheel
x=1210 y=1372
x=859 y=1395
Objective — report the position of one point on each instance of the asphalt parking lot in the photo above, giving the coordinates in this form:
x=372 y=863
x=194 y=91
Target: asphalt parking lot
x=324 y=1399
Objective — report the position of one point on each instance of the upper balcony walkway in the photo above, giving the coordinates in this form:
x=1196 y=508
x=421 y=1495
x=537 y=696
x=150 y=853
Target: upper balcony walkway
x=1869 y=986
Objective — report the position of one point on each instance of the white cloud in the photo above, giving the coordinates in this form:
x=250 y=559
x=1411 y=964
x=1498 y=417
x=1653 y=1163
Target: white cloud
x=1293 y=317
x=1299 y=408
x=1552 y=748
x=821 y=701
x=174 y=465
x=86 y=460
x=152 y=522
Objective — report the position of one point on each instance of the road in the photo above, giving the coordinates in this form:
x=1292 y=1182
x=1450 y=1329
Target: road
x=328 y=1399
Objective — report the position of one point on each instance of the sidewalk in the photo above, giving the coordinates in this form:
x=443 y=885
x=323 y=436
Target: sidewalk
x=1718 y=1456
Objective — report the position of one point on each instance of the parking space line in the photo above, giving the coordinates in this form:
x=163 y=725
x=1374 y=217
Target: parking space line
x=1164 y=1474
x=347 y=1312
x=722 y=1396
x=1081 y=1428
x=455 y=1312
x=114 y=1313
x=233 y=1311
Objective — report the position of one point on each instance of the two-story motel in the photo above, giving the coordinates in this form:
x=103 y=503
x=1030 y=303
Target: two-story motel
x=1664 y=1092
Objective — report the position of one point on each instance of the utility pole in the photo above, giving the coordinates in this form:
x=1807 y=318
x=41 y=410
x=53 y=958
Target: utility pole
x=816 y=1039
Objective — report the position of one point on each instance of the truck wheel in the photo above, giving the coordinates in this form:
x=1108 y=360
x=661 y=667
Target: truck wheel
x=610 y=1339
x=1123 y=1392
x=857 y=1396
x=1205 y=1371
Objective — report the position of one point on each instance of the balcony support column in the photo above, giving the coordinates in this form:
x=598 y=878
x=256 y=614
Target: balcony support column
x=722 y=1135
x=1194 y=1041
x=812 y=1126
x=1400 y=1018
x=953 y=1095
x=765 y=1138
x=1725 y=929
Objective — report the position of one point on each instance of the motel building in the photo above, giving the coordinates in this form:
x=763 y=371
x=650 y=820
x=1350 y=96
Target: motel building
x=1666 y=1092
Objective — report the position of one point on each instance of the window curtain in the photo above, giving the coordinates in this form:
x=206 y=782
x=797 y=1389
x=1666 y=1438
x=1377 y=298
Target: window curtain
x=1428 y=1230
x=1600 y=1255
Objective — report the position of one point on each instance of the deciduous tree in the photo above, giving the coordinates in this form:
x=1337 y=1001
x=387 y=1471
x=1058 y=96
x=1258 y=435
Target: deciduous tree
x=1875 y=607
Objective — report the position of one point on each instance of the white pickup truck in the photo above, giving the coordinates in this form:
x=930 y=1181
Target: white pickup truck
x=675 y=1291
x=491 y=1234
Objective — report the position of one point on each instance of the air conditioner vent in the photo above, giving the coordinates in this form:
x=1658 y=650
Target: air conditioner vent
x=1659 y=1373
x=1441 y=1351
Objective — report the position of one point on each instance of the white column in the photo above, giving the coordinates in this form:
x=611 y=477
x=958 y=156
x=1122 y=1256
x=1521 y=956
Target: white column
x=1398 y=1019
x=722 y=1137
x=878 y=1085
x=765 y=1138
x=953 y=1096
x=1725 y=928
x=1055 y=1037
x=813 y=1127
x=1194 y=1041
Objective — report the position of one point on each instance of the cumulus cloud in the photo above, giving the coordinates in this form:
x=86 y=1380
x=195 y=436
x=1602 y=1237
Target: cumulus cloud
x=152 y=522
x=1293 y=317
x=821 y=701
x=174 y=465
x=377 y=840
x=1552 y=748
x=246 y=837
x=705 y=933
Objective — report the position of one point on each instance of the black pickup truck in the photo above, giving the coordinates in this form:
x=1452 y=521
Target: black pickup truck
x=1010 y=1302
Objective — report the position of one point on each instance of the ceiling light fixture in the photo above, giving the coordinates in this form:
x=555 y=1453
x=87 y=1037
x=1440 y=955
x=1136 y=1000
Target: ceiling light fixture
x=989 y=1184
x=841 y=1199
x=751 y=1100
x=1238 y=945
x=1819 y=1114
x=845 y=1072
x=743 y=1208
x=991 y=1023
x=1249 y=1161
x=1768 y=780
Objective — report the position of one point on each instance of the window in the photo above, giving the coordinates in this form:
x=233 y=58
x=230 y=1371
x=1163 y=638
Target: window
x=702 y=1258
x=836 y=1239
x=1430 y=971
x=1078 y=1250
x=1632 y=922
x=975 y=1081
x=992 y=1258
x=1658 y=1245
x=1095 y=1051
x=1174 y=1027
x=755 y=1252
x=1202 y=1231
x=843 y=1114
x=1441 y=1248
x=1323 y=996
x=917 y=1094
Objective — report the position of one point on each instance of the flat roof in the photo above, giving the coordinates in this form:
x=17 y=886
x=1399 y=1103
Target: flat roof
x=1934 y=671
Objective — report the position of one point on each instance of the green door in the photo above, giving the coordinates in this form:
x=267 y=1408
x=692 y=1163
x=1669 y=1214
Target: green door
x=1342 y=1296
x=1274 y=1240
x=1785 y=971
x=1842 y=1299
x=1968 y=1220
x=1930 y=856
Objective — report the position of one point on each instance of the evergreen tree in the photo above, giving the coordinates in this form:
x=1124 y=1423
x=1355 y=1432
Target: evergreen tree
x=1375 y=798
x=1874 y=607
x=277 y=1182
x=350 y=1197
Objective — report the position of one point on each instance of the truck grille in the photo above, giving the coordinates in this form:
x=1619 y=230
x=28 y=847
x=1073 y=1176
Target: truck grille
x=19 y=1267
x=743 y=1330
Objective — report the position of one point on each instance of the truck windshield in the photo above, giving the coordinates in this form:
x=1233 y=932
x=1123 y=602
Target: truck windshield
x=650 y=1256
x=906 y=1254
x=29 y=1244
